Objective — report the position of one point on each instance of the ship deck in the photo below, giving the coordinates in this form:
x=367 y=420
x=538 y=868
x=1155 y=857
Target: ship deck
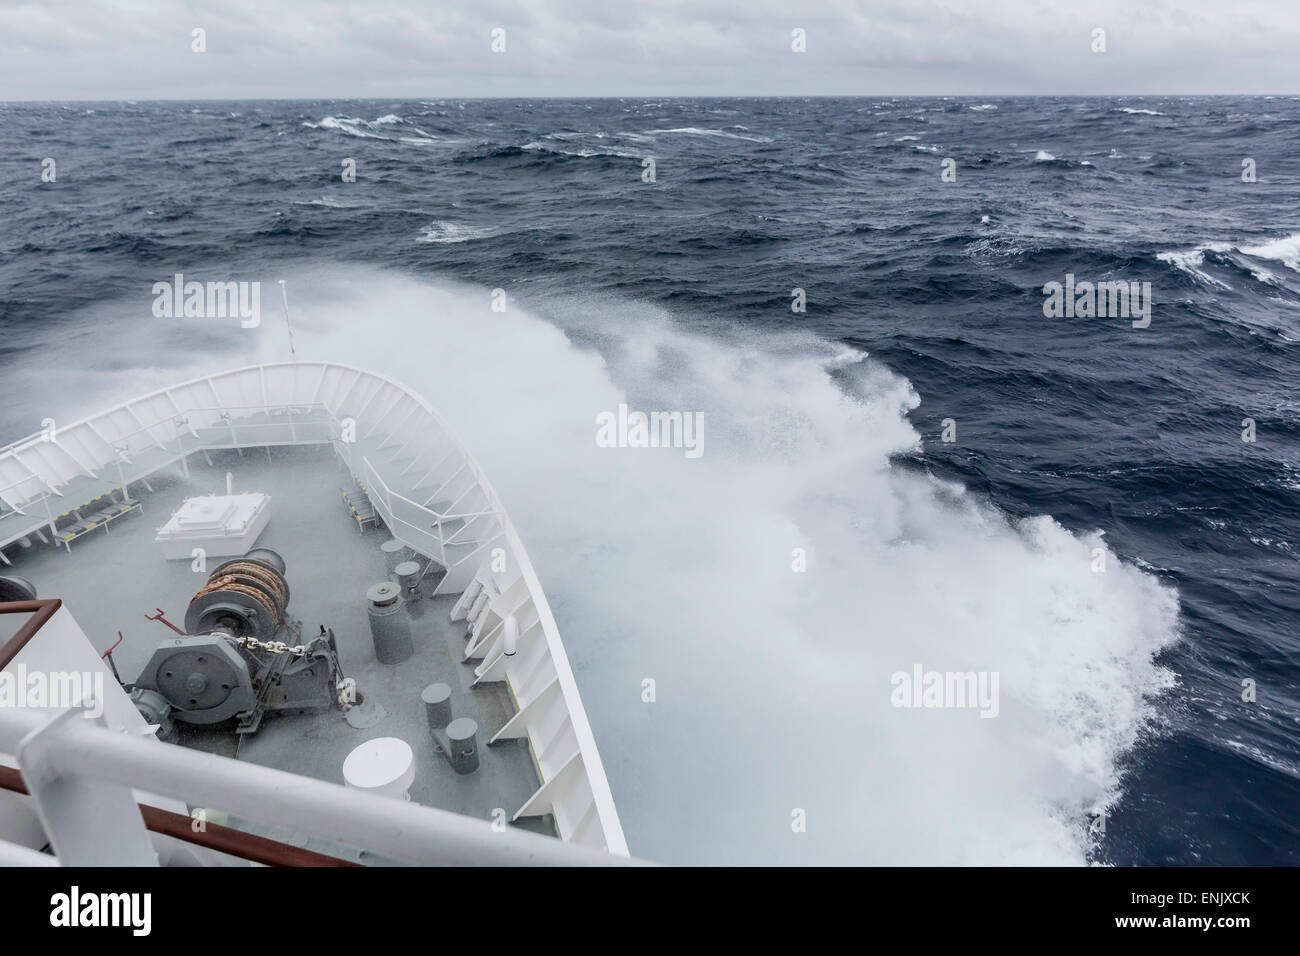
x=113 y=577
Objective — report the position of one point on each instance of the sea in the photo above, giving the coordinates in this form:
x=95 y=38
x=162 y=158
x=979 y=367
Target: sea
x=911 y=462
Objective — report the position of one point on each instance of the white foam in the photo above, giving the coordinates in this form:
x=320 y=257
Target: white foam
x=1285 y=250
x=1191 y=260
x=772 y=687
x=441 y=231
x=1131 y=110
x=366 y=129
x=345 y=124
x=696 y=131
x=329 y=202
x=582 y=153
x=1043 y=156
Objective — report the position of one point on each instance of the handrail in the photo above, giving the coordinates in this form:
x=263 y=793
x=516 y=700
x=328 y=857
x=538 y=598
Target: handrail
x=33 y=475
x=385 y=499
x=213 y=836
x=41 y=611
x=44 y=436
x=49 y=489
x=442 y=515
x=388 y=827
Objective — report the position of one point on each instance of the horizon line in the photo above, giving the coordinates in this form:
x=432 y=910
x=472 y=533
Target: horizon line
x=642 y=96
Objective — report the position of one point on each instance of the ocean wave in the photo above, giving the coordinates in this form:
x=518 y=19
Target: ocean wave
x=442 y=231
x=1134 y=111
x=345 y=124
x=580 y=153
x=1285 y=250
x=329 y=202
x=372 y=129
x=1191 y=260
x=802 y=435
x=696 y=131
x=997 y=247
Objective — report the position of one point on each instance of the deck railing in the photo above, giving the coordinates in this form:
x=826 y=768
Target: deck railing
x=81 y=775
x=366 y=409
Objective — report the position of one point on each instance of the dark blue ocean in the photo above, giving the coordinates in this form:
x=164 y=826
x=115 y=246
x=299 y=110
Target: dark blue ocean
x=1122 y=689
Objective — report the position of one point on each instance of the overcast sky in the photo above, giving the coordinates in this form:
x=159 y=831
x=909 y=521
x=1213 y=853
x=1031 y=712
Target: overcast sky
x=141 y=49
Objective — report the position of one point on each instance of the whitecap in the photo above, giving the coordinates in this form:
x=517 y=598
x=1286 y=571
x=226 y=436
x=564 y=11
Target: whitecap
x=681 y=570
x=441 y=231
x=1285 y=250
x=696 y=131
x=1190 y=261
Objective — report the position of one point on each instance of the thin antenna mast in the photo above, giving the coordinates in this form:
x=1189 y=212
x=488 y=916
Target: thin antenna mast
x=289 y=325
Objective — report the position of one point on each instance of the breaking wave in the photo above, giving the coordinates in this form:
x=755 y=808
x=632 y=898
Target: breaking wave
x=696 y=131
x=1238 y=257
x=772 y=687
x=442 y=232
x=374 y=129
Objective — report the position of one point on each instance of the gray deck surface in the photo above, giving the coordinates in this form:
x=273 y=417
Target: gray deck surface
x=113 y=578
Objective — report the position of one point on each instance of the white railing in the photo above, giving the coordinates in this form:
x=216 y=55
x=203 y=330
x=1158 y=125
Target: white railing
x=81 y=776
x=47 y=444
x=386 y=418
x=411 y=521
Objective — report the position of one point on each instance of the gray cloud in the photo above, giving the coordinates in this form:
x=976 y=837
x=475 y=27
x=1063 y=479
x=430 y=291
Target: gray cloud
x=140 y=49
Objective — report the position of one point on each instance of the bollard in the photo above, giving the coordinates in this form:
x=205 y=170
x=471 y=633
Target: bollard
x=408 y=579
x=437 y=706
x=462 y=745
x=394 y=554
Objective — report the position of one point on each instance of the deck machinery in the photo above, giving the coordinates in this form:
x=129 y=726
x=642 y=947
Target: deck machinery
x=241 y=655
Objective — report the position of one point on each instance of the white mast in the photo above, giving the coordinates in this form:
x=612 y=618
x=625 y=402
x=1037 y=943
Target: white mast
x=289 y=325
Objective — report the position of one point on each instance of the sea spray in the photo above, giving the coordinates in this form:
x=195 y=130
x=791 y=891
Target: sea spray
x=772 y=685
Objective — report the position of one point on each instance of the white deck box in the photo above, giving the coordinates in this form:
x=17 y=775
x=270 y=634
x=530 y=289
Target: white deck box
x=222 y=525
